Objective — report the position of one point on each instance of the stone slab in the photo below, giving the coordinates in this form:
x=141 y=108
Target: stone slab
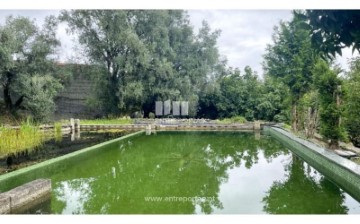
x=28 y=193
x=176 y=108
x=345 y=153
x=4 y=204
x=184 y=108
x=167 y=107
x=158 y=108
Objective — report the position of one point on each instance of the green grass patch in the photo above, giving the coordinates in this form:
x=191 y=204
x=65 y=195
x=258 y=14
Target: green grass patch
x=236 y=119
x=108 y=121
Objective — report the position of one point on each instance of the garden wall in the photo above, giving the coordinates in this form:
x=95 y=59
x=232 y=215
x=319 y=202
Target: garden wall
x=72 y=101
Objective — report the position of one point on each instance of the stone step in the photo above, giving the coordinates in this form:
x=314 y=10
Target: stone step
x=345 y=153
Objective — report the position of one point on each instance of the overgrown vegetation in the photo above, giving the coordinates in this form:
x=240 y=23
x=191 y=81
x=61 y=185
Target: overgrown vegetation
x=57 y=131
x=28 y=73
x=23 y=140
x=352 y=102
x=232 y=120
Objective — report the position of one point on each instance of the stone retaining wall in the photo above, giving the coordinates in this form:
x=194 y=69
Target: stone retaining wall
x=341 y=171
x=72 y=101
x=246 y=126
x=23 y=195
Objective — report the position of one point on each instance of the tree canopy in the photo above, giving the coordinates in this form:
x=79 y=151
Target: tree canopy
x=289 y=59
x=27 y=68
x=333 y=30
x=148 y=55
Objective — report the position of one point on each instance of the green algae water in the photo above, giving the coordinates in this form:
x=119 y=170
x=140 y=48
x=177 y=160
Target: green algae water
x=189 y=173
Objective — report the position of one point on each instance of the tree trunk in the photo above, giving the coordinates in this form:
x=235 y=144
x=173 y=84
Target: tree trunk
x=18 y=103
x=7 y=97
x=294 y=117
x=310 y=122
x=338 y=101
x=334 y=144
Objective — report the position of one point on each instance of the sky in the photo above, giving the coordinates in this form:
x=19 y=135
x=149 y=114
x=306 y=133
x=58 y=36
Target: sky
x=243 y=40
x=244 y=33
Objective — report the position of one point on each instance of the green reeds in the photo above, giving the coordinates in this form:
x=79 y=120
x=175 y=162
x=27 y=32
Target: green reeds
x=57 y=132
x=16 y=141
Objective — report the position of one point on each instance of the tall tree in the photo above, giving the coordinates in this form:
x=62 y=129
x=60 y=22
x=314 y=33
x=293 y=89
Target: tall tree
x=273 y=103
x=352 y=102
x=290 y=59
x=109 y=40
x=146 y=55
x=329 y=87
x=27 y=68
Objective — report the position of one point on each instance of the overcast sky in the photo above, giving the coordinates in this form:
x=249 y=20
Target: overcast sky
x=244 y=33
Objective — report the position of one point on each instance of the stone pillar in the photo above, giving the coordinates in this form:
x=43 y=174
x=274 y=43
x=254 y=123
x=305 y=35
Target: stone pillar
x=77 y=135
x=72 y=124
x=77 y=125
x=184 y=108
x=148 y=130
x=176 y=108
x=72 y=136
x=257 y=125
x=159 y=108
x=167 y=107
x=257 y=135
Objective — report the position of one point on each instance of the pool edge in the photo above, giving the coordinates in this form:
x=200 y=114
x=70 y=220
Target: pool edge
x=3 y=177
x=342 y=172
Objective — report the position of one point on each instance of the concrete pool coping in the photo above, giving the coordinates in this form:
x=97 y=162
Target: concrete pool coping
x=64 y=157
x=341 y=171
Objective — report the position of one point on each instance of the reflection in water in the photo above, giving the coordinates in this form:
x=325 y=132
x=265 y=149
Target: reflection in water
x=304 y=192
x=240 y=172
x=73 y=195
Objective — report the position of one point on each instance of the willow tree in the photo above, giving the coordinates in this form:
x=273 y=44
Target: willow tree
x=290 y=59
x=109 y=40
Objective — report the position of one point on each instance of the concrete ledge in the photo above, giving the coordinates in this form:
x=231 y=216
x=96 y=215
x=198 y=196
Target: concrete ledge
x=5 y=207
x=25 y=194
x=342 y=172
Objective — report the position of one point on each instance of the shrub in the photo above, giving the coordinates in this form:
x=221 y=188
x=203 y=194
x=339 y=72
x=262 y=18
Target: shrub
x=151 y=115
x=235 y=119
